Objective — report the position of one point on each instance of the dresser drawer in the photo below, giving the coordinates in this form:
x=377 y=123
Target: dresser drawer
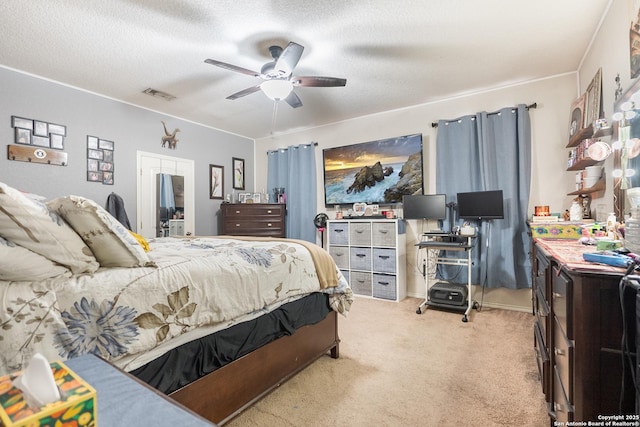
x=562 y=407
x=563 y=358
x=253 y=210
x=253 y=219
x=254 y=227
x=360 y=233
x=542 y=356
x=561 y=288
x=384 y=234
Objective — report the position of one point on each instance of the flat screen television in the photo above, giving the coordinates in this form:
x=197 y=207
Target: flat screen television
x=479 y=205
x=375 y=172
x=425 y=206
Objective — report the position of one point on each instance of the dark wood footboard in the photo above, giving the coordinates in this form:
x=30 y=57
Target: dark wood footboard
x=224 y=393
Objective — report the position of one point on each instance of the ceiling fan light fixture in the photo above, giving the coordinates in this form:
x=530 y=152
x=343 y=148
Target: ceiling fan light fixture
x=276 y=89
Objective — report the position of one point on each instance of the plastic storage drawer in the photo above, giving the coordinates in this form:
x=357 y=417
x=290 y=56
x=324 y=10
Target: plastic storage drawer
x=360 y=259
x=384 y=260
x=384 y=286
x=339 y=233
x=360 y=283
x=360 y=233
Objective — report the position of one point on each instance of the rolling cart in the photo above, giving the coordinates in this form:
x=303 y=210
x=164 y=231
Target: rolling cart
x=443 y=294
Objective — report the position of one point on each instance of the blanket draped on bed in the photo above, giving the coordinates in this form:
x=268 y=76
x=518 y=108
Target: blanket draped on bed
x=133 y=315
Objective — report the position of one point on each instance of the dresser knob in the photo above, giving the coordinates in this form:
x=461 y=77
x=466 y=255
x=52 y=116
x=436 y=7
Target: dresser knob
x=269 y=211
x=237 y=212
x=237 y=225
x=269 y=225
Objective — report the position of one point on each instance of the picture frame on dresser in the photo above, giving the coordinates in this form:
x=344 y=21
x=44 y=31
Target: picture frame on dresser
x=216 y=182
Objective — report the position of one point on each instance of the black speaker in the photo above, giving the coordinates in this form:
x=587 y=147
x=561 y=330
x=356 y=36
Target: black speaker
x=448 y=294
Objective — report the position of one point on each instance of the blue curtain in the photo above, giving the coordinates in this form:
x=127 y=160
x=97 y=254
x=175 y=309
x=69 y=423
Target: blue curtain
x=167 y=198
x=490 y=151
x=294 y=169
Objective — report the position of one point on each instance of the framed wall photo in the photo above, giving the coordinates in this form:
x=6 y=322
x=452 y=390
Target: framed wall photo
x=107 y=178
x=593 y=102
x=105 y=145
x=94 y=176
x=238 y=173
x=216 y=182
x=57 y=141
x=95 y=154
x=576 y=122
x=92 y=142
x=23 y=136
x=40 y=128
x=40 y=141
x=19 y=122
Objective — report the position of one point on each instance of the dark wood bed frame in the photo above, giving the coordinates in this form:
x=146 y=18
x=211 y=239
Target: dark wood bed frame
x=227 y=391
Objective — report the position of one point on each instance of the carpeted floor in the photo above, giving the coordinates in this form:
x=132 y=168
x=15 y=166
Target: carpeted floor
x=398 y=368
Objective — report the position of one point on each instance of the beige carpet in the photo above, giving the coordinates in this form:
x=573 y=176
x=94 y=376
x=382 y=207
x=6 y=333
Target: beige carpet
x=398 y=368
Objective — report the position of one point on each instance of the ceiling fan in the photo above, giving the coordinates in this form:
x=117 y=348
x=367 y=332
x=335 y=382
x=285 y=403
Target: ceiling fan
x=278 y=83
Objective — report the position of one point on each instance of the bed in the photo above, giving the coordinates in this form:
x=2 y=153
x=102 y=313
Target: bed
x=215 y=322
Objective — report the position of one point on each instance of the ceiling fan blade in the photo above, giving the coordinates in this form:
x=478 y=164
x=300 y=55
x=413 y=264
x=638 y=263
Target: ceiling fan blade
x=245 y=92
x=293 y=100
x=318 y=81
x=289 y=58
x=232 y=67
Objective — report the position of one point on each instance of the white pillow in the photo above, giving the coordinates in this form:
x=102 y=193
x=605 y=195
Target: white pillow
x=110 y=241
x=30 y=224
x=18 y=264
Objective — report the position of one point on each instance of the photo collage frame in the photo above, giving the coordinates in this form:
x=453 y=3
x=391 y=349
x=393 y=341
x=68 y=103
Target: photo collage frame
x=38 y=133
x=100 y=160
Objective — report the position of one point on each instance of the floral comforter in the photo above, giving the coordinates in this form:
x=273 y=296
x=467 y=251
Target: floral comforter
x=130 y=316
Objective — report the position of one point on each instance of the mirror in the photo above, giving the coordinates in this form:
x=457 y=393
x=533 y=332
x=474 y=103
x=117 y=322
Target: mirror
x=626 y=161
x=170 y=204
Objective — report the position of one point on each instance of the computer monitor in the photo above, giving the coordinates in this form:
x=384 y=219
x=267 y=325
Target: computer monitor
x=479 y=205
x=425 y=206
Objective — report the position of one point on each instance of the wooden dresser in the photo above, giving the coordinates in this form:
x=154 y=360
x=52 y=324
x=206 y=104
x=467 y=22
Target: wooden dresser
x=253 y=219
x=578 y=333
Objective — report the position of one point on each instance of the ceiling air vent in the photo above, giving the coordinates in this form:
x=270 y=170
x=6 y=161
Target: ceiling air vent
x=158 y=94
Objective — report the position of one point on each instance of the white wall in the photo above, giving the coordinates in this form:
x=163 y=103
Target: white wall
x=550 y=181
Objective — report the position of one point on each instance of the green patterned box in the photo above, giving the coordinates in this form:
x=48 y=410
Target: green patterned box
x=556 y=230
x=77 y=406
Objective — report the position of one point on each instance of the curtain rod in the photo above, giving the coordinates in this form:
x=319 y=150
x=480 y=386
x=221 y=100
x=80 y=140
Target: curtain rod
x=315 y=144
x=530 y=106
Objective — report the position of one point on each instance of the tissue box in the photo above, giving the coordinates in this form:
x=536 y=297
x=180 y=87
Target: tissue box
x=77 y=405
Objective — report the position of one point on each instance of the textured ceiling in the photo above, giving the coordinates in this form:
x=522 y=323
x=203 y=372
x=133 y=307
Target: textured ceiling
x=393 y=54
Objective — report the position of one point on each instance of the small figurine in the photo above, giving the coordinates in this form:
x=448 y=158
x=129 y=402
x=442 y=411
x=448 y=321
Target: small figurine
x=169 y=138
x=566 y=215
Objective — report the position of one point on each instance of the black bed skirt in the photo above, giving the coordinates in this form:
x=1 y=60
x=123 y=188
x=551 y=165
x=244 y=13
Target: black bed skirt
x=188 y=362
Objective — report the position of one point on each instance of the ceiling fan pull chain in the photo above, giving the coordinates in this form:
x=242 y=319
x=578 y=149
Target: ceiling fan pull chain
x=273 y=117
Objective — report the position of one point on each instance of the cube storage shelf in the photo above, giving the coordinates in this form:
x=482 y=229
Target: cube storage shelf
x=371 y=255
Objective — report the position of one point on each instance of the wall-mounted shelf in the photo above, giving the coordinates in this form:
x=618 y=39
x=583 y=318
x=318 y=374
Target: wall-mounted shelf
x=587 y=133
x=599 y=186
x=33 y=154
x=583 y=163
